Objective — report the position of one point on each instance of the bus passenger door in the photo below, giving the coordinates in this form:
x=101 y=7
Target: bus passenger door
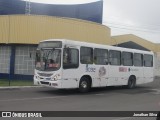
x=70 y=66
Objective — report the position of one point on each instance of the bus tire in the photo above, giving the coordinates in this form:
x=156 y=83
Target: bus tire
x=131 y=82
x=84 y=85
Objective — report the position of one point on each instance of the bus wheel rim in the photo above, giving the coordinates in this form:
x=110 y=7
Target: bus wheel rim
x=84 y=84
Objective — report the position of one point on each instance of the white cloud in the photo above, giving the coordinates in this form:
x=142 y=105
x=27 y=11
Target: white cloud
x=139 y=17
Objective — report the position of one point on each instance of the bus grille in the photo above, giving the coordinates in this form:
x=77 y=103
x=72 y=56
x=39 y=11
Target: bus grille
x=45 y=75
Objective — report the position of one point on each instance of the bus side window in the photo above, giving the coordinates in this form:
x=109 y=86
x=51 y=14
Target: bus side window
x=70 y=58
x=86 y=55
x=138 y=59
x=148 y=60
x=114 y=57
x=127 y=58
x=100 y=56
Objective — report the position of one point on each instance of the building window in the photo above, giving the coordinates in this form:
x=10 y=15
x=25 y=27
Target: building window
x=114 y=57
x=100 y=56
x=86 y=55
x=5 y=53
x=25 y=60
x=138 y=59
x=127 y=59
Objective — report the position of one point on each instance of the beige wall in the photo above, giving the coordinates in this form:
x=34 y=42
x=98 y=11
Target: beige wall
x=157 y=47
x=4 y=29
x=30 y=29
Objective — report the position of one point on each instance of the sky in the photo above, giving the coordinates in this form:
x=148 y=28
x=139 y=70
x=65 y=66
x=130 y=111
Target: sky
x=139 y=17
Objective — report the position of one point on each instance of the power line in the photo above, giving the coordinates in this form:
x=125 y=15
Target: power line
x=127 y=27
x=146 y=26
x=135 y=29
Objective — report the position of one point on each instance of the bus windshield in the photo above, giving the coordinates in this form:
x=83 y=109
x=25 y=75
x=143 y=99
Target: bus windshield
x=48 y=59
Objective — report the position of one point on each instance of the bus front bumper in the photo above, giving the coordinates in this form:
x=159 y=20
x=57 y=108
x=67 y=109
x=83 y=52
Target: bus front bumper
x=48 y=83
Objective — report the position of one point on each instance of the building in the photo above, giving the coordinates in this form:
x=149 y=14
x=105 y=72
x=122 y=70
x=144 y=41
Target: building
x=20 y=34
x=89 y=11
x=23 y=25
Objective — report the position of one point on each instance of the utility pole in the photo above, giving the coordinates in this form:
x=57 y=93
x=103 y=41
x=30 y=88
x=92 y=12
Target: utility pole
x=28 y=7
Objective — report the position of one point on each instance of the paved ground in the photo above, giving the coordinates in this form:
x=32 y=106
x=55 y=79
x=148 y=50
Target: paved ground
x=143 y=98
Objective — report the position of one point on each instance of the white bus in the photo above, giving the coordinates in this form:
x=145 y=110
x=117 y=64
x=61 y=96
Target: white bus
x=65 y=64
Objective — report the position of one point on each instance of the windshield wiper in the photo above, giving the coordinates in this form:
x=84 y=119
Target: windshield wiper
x=46 y=55
x=46 y=58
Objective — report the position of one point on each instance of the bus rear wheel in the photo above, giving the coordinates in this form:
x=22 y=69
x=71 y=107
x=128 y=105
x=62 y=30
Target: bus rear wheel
x=84 y=85
x=131 y=82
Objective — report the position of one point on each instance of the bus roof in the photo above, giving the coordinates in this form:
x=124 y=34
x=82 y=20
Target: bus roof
x=94 y=45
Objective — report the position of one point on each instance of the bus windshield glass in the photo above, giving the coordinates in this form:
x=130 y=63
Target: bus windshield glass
x=48 y=59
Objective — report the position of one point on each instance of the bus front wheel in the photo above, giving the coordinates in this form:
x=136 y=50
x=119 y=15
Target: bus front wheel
x=84 y=85
x=131 y=82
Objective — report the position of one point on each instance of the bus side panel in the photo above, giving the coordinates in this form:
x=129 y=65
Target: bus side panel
x=148 y=74
x=104 y=75
x=70 y=78
x=138 y=73
x=123 y=75
x=90 y=70
x=113 y=73
x=101 y=75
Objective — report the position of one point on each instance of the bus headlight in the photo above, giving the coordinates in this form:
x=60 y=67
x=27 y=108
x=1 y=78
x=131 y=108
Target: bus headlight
x=56 y=77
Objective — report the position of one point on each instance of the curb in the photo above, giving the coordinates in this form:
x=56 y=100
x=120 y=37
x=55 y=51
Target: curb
x=17 y=87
